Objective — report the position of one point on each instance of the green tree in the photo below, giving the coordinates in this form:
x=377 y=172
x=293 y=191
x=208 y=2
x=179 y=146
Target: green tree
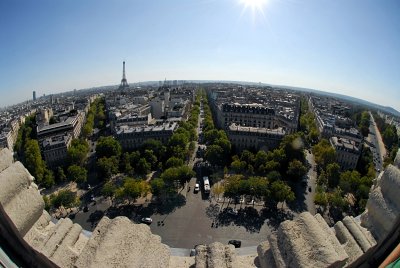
x=108 y=166
x=296 y=170
x=33 y=160
x=61 y=175
x=173 y=162
x=157 y=186
x=333 y=174
x=180 y=174
x=143 y=167
x=109 y=189
x=108 y=147
x=324 y=153
x=215 y=155
x=77 y=173
x=48 y=178
x=64 y=198
x=232 y=186
x=133 y=189
x=77 y=152
x=336 y=200
x=281 y=192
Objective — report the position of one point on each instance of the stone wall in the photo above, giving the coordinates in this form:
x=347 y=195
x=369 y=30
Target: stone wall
x=306 y=241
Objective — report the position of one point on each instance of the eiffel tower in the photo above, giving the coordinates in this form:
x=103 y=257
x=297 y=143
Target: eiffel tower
x=124 y=83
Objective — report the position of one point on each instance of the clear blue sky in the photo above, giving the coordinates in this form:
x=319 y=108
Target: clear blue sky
x=350 y=47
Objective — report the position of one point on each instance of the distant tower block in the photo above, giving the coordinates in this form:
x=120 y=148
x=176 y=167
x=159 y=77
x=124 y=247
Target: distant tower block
x=34 y=95
x=124 y=83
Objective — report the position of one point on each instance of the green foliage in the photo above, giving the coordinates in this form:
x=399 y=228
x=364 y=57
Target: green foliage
x=95 y=117
x=324 y=153
x=335 y=199
x=281 y=192
x=132 y=189
x=321 y=198
x=33 y=160
x=333 y=174
x=108 y=147
x=364 y=123
x=173 y=162
x=64 y=198
x=48 y=178
x=108 y=166
x=215 y=155
x=365 y=162
x=61 y=177
x=109 y=189
x=307 y=123
x=143 y=167
x=175 y=174
x=77 y=152
x=157 y=186
x=296 y=170
x=293 y=147
x=77 y=173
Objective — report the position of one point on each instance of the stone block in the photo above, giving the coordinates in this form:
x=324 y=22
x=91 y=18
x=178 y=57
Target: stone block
x=6 y=159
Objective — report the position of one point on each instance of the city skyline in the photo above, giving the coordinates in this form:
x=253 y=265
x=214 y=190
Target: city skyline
x=343 y=47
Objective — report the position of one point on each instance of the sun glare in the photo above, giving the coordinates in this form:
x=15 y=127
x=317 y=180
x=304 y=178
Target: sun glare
x=254 y=4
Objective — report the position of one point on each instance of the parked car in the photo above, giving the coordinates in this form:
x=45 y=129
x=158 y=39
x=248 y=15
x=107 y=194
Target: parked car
x=236 y=243
x=147 y=220
x=197 y=188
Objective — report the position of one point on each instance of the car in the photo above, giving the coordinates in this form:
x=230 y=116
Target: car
x=236 y=243
x=147 y=220
x=309 y=189
x=231 y=211
x=197 y=188
x=85 y=209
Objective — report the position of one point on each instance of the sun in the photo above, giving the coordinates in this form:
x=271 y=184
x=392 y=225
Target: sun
x=254 y=4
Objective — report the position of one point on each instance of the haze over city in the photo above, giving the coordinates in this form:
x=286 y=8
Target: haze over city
x=346 y=47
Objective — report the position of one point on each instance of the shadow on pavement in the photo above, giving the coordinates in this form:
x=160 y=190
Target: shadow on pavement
x=136 y=212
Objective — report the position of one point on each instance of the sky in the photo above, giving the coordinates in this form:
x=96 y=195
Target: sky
x=350 y=47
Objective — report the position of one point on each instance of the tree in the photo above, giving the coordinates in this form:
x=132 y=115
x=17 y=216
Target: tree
x=321 y=199
x=281 y=192
x=157 y=186
x=218 y=189
x=215 y=155
x=33 y=160
x=143 y=167
x=108 y=147
x=108 y=166
x=48 y=178
x=293 y=146
x=349 y=181
x=61 y=175
x=77 y=152
x=333 y=174
x=109 y=189
x=173 y=162
x=260 y=159
x=132 y=189
x=259 y=187
x=296 y=170
x=65 y=198
x=336 y=200
x=77 y=173
x=150 y=158
x=175 y=174
x=274 y=176
x=232 y=186
x=324 y=153
x=364 y=124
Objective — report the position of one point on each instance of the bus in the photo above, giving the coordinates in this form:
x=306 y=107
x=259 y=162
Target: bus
x=206 y=184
